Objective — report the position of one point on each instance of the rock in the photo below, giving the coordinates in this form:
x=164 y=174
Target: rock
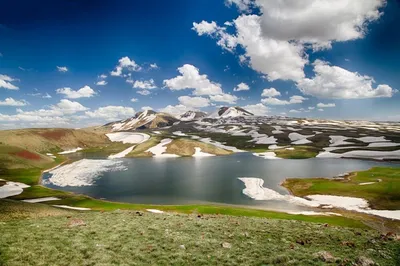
x=364 y=261
x=325 y=256
x=226 y=245
x=139 y=213
x=182 y=247
x=76 y=222
x=246 y=234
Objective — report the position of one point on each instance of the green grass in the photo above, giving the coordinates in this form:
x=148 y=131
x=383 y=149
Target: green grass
x=140 y=150
x=299 y=152
x=381 y=195
x=126 y=238
x=111 y=148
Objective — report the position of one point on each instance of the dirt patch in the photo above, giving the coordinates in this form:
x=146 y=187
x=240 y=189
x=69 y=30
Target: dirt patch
x=54 y=134
x=28 y=155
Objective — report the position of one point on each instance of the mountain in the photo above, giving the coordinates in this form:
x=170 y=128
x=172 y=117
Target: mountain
x=143 y=120
x=191 y=115
x=224 y=112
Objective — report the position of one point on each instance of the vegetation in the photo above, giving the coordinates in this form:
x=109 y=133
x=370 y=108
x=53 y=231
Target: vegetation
x=298 y=152
x=383 y=192
x=136 y=238
x=140 y=150
x=186 y=147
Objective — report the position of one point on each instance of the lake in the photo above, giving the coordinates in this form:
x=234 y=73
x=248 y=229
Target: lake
x=207 y=180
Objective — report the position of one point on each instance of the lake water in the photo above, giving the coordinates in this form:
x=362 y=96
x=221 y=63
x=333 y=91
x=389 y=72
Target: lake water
x=208 y=180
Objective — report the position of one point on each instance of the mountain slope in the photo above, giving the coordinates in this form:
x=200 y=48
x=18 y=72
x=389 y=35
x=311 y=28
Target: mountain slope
x=224 y=112
x=191 y=115
x=143 y=120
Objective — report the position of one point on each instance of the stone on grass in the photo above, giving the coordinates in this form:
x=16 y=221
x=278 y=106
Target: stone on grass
x=364 y=261
x=325 y=256
x=76 y=222
x=182 y=247
x=226 y=245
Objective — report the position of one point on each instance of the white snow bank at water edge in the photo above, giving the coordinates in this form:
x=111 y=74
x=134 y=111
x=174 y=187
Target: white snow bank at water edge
x=38 y=200
x=72 y=208
x=266 y=155
x=83 y=172
x=128 y=137
x=376 y=155
x=11 y=189
x=160 y=149
x=220 y=145
x=255 y=190
x=154 y=211
x=121 y=154
x=312 y=213
x=199 y=153
x=71 y=151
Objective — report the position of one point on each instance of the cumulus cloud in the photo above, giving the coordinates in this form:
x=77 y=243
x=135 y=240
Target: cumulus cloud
x=224 y=97
x=12 y=102
x=102 y=76
x=144 y=85
x=242 y=87
x=275 y=40
x=195 y=102
x=190 y=78
x=272 y=92
x=84 y=92
x=154 y=66
x=5 y=82
x=294 y=111
x=46 y=96
x=111 y=113
x=101 y=83
x=275 y=101
x=326 y=105
x=125 y=63
x=62 y=69
x=257 y=109
x=175 y=109
x=338 y=83
x=143 y=92
x=134 y=100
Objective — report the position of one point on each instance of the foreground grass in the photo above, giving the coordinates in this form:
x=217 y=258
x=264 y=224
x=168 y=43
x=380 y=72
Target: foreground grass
x=130 y=238
x=384 y=193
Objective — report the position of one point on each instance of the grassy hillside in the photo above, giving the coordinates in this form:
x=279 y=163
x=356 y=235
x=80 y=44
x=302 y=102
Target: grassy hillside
x=136 y=238
x=379 y=185
x=186 y=147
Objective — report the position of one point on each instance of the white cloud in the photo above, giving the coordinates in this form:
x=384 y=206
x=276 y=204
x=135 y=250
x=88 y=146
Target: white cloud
x=102 y=76
x=143 y=92
x=242 y=5
x=195 y=102
x=46 y=96
x=146 y=108
x=134 y=100
x=191 y=79
x=242 y=87
x=321 y=110
x=175 y=109
x=111 y=113
x=318 y=22
x=101 y=83
x=84 y=92
x=62 y=69
x=336 y=82
x=297 y=99
x=272 y=92
x=311 y=108
x=5 y=82
x=294 y=111
x=12 y=102
x=326 y=105
x=154 y=66
x=257 y=109
x=144 y=85
x=125 y=63
x=224 y=97
x=69 y=107
x=205 y=27
x=274 y=101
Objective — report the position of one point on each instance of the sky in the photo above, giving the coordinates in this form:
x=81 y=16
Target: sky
x=81 y=63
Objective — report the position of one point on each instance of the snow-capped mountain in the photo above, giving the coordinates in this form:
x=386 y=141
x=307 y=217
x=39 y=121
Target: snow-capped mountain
x=191 y=115
x=225 y=112
x=142 y=120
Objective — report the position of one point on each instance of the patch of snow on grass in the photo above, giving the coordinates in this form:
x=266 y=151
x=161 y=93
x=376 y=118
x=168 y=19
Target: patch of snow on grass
x=372 y=139
x=160 y=149
x=220 y=145
x=12 y=189
x=72 y=208
x=338 y=140
x=154 y=211
x=299 y=139
x=38 y=200
x=128 y=137
x=121 y=154
x=83 y=172
x=71 y=151
x=199 y=153
x=179 y=133
x=312 y=213
x=382 y=144
x=366 y=183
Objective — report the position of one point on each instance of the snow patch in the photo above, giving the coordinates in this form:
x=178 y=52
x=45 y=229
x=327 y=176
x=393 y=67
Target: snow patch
x=72 y=208
x=267 y=155
x=12 y=189
x=83 y=172
x=38 y=200
x=160 y=149
x=199 y=153
x=71 y=151
x=154 y=211
x=121 y=154
x=128 y=137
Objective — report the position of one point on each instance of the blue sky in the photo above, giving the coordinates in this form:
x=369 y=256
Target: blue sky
x=340 y=62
